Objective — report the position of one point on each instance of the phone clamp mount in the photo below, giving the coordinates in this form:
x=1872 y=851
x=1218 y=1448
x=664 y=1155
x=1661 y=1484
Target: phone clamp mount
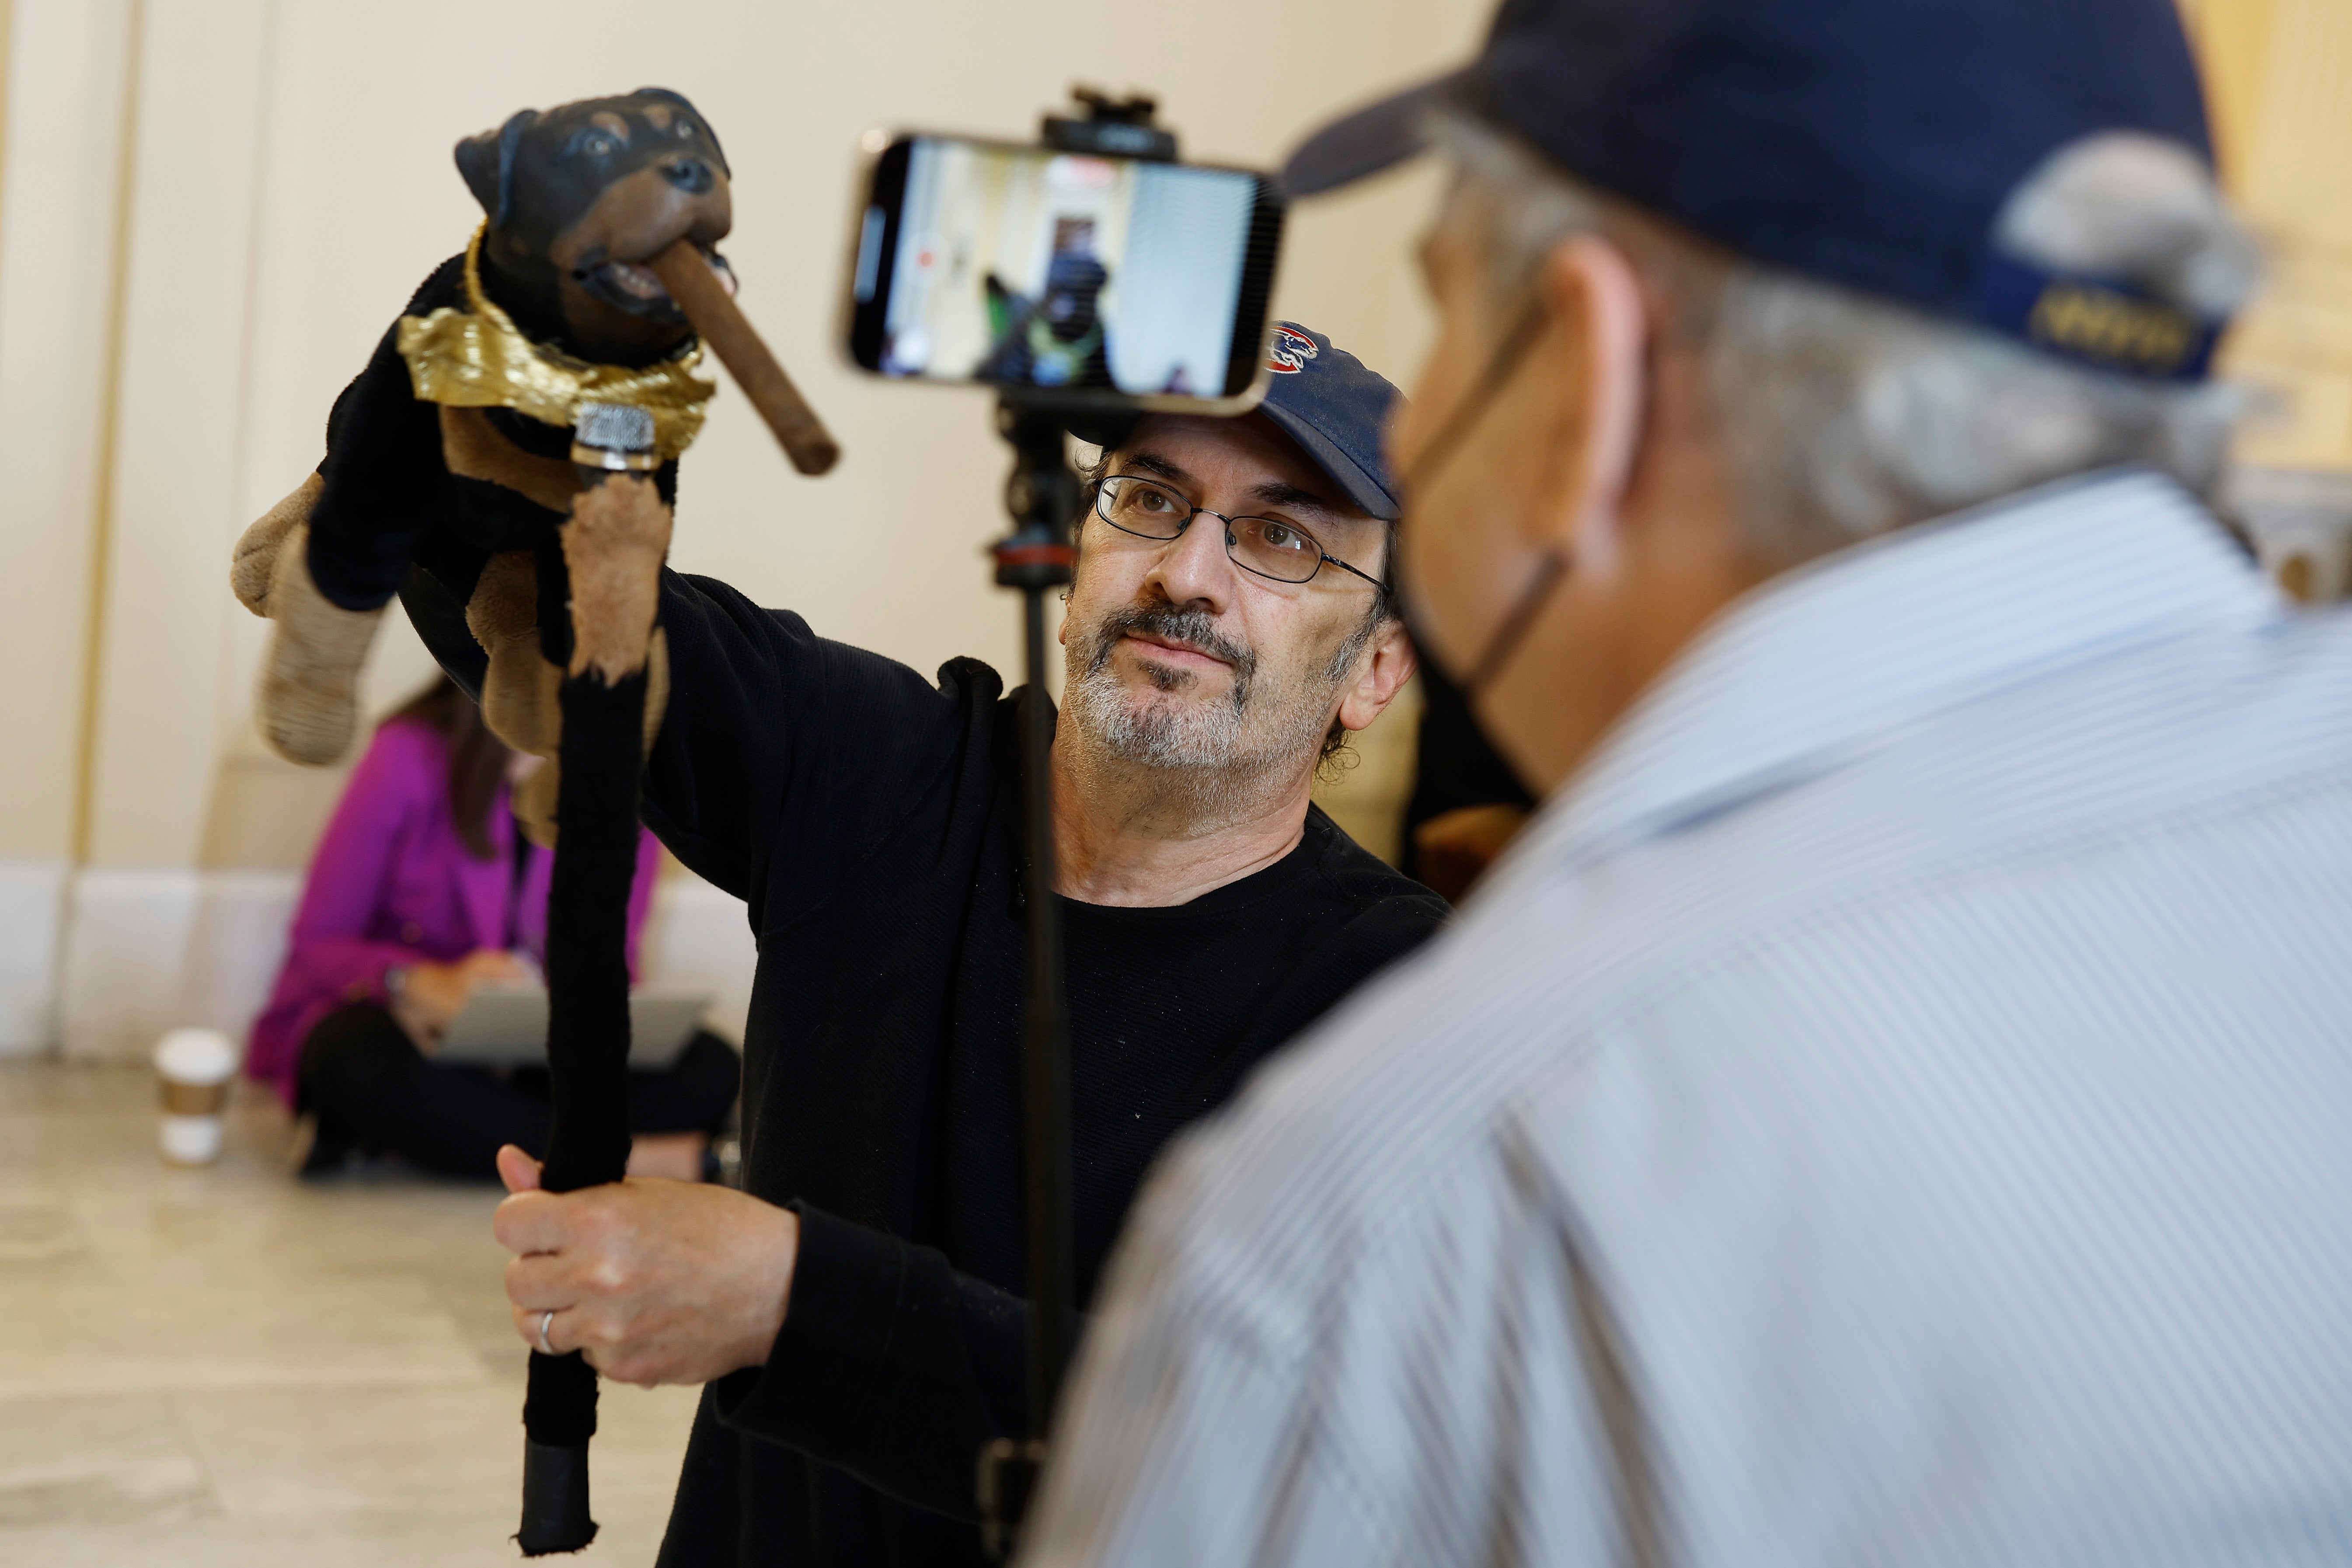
x=1037 y=557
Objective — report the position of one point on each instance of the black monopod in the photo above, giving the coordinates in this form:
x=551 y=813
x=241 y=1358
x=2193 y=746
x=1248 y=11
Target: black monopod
x=1036 y=557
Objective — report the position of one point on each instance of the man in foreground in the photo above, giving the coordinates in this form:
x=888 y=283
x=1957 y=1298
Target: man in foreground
x=856 y=1311
x=1890 y=1104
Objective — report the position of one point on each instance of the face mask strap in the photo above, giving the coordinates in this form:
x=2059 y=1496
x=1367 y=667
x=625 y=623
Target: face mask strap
x=1553 y=565
x=1549 y=569
x=1500 y=367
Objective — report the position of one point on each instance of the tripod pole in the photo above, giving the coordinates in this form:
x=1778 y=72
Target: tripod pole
x=1043 y=496
x=1036 y=558
x=1044 y=1050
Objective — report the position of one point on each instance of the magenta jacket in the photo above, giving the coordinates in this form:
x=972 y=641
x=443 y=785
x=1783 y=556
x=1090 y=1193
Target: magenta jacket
x=392 y=884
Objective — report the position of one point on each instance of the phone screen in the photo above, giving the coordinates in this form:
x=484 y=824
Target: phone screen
x=1141 y=282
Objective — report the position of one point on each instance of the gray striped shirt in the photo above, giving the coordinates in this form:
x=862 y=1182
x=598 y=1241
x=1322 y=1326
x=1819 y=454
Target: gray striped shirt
x=1893 y=1105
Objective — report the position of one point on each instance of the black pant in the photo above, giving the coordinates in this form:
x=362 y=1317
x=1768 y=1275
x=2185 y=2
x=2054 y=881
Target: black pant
x=371 y=1088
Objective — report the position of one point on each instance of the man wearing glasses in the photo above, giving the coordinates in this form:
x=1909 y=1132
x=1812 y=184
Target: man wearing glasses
x=855 y=1310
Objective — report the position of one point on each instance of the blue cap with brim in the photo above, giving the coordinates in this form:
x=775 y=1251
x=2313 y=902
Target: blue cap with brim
x=1325 y=399
x=1336 y=408
x=1870 y=142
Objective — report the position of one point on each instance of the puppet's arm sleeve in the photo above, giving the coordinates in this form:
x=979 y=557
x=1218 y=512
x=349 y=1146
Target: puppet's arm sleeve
x=890 y=1365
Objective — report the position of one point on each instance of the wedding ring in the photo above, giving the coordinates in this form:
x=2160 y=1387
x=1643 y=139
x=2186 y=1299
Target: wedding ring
x=544 y=1319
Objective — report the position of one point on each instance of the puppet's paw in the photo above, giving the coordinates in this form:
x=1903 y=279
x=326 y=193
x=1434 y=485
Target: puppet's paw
x=254 y=562
x=657 y=685
x=309 y=702
x=519 y=697
x=534 y=802
x=518 y=688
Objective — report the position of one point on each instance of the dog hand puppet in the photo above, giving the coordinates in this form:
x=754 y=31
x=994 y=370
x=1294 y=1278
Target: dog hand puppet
x=465 y=416
x=515 y=434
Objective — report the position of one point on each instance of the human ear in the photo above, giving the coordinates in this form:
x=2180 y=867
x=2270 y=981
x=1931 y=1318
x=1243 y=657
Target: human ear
x=1598 y=357
x=1384 y=675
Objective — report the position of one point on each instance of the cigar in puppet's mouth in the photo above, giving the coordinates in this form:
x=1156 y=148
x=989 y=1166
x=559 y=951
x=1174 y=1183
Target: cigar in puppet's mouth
x=637 y=289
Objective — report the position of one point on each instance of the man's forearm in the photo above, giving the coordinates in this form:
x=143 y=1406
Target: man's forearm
x=890 y=1365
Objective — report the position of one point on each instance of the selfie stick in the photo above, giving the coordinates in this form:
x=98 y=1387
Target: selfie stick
x=1043 y=496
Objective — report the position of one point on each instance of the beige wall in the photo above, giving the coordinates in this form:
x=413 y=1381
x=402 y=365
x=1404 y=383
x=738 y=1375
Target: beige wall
x=59 y=198
x=2279 y=77
x=211 y=210
x=292 y=182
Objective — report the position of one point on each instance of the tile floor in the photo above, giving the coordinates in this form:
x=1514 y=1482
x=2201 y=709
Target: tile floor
x=226 y=1366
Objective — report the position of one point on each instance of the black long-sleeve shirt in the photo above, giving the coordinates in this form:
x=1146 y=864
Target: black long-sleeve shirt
x=872 y=821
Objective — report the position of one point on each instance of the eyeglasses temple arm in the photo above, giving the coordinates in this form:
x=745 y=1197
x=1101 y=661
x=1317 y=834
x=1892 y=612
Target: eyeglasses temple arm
x=1367 y=576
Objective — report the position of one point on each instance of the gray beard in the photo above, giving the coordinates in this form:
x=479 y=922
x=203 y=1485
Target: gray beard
x=1209 y=741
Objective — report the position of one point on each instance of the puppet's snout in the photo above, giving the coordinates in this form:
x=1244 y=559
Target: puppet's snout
x=691 y=175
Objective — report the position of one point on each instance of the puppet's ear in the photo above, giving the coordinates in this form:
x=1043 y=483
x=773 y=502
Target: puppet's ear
x=486 y=162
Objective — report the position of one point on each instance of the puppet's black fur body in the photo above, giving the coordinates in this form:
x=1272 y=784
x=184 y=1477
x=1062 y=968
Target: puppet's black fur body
x=572 y=198
x=390 y=501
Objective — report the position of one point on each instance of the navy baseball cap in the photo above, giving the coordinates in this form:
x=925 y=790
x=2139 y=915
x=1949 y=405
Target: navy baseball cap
x=1336 y=408
x=1325 y=399
x=1870 y=142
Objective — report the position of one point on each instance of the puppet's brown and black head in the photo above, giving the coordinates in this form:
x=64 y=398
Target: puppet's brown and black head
x=579 y=197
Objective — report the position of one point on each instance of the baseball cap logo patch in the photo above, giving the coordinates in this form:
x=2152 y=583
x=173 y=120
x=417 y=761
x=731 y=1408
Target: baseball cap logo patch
x=1289 y=351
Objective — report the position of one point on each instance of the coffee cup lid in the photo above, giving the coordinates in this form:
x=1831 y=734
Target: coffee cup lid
x=196 y=1056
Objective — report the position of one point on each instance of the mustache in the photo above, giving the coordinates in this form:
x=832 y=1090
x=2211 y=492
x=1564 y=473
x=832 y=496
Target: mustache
x=1193 y=628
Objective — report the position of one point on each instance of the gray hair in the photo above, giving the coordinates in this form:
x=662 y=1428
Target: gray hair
x=1851 y=416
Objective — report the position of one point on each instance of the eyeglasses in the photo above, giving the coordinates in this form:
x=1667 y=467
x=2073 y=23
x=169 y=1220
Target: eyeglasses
x=1282 y=551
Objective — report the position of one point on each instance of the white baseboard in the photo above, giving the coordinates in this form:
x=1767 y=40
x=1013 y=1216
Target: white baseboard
x=147 y=950
x=32 y=913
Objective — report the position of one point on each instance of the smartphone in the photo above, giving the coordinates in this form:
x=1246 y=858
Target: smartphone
x=1125 y=282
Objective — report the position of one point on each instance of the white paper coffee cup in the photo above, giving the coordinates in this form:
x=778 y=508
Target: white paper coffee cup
x=192 y=1140
x=193 y=1069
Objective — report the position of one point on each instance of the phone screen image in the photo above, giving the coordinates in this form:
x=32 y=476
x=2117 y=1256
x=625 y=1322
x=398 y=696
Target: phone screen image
x=1063 y=271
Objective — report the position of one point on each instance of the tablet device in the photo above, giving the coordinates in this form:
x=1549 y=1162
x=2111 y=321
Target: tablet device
x=506 y=1027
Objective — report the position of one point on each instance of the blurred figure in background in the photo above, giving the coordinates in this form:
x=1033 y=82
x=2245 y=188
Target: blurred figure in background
x=1466 y=805
x=1891 y=1105
x=422 y=890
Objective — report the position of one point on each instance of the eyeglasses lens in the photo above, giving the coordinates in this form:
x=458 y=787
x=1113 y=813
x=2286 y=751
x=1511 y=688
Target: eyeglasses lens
x=1262 y=544
x=1272 y=549
x=1141 y=507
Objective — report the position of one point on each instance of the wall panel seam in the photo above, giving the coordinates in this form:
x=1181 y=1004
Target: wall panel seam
x=108 y=439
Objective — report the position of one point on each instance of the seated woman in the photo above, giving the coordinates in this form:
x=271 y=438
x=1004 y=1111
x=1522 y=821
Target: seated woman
x=422 y=890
